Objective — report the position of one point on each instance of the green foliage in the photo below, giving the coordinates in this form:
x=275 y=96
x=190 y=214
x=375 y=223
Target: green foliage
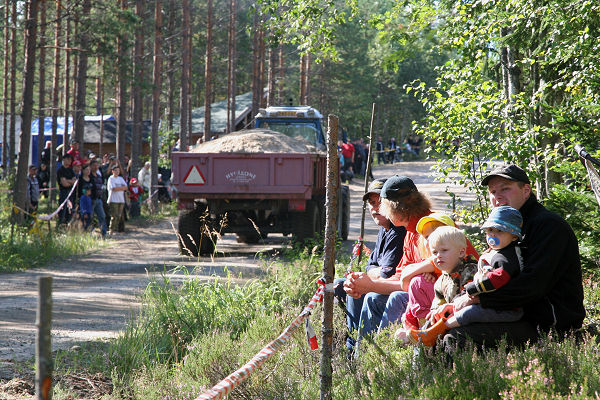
x=580 y=210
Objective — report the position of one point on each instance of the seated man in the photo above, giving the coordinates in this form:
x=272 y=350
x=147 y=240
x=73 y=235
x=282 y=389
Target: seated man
x=549 y=287
x=382 y=261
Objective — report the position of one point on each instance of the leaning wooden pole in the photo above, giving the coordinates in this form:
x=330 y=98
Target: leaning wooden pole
x=43 y=344
x=331 y=205
x=367 y=174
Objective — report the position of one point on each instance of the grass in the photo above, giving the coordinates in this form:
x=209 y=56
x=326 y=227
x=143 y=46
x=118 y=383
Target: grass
x=186 y=358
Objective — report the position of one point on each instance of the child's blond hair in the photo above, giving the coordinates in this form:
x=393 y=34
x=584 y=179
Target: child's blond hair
x=449 y=235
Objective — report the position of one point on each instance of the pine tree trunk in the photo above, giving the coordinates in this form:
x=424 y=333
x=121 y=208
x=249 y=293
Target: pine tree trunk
x=55 y=100
x=208 y=71
x=13 y=90
x=5 y=86
x=255 y=65
x=280 y=93
x=261 y=67
x=67 y=82
x=156 y=89
x=41 y=137
x=185 y=57
x=82 y=67
x=26 y=107
x=302 y=79
x=171 y=67
x=121 y=106
x=139 y=74
x=231 y=87
x=271 y=77
x=98 y=87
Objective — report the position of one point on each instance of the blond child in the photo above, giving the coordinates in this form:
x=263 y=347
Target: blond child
x=496 y=267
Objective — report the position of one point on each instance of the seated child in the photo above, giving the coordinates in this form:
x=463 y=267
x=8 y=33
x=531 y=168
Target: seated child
x=85 y=208
x=496 y=267
x=420 y=278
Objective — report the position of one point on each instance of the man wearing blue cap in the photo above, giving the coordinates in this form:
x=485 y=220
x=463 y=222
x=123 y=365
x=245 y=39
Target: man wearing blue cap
x=549 y=286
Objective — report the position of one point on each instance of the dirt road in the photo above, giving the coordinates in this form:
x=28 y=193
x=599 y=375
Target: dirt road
x=94 y=294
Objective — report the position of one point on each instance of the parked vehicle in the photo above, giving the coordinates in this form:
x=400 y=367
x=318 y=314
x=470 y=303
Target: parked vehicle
x=254 y=194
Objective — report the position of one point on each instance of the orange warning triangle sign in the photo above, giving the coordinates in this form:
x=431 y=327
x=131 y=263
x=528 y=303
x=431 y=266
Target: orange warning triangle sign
x=194 y=177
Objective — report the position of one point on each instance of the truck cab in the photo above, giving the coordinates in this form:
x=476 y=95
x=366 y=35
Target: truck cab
x=294 y=121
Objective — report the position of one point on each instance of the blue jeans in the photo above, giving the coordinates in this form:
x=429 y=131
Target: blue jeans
x=98 y=209
x=371 y=312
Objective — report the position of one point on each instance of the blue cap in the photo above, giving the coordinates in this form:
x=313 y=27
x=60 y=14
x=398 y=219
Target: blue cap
x=505 y=218
x=397 y=186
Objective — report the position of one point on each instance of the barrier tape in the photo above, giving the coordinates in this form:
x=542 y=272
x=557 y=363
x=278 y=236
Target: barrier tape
x=224 y=387
x=150 y=197
x=50 y=216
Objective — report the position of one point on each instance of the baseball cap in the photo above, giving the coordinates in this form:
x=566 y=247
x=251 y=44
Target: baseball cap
x=133 y=180
x=32 y=166
x=511 y=172
x=397 y=186
x=115 y=166
x=505 y=218
x=76 y=162
x=436 y=216
x=374 y=187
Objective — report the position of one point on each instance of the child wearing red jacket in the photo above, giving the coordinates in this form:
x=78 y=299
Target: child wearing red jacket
x=135 y=192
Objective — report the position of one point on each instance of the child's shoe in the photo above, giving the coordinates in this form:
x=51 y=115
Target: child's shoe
x=428 y=336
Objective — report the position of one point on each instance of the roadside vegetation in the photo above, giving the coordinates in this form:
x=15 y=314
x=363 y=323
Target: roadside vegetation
x=190 y=334
x=35 y=242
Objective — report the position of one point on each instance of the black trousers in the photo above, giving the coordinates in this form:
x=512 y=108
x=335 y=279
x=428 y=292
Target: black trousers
x=489 y=334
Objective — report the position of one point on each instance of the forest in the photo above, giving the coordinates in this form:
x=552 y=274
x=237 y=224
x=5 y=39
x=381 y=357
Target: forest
x=509 y=80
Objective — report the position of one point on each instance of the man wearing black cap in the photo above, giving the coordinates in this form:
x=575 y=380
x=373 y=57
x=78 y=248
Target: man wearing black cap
x=549 y=287
x=382 y=262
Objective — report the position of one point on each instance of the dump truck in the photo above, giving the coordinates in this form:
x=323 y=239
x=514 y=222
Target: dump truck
x=270 y=179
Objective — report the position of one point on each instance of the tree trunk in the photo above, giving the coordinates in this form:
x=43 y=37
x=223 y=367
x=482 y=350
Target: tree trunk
x=185 y=57
x=231 y=69
x=26 y=107
x=121 y=93
x=271 y=77
x=10 y=167
x=138 y=73
x=171 y=67
x=208 y=71
x=101 y=101
x=261 y=67
x=5 y=90
x=156 y=89
x=55 y=100
x=256 y=95
x=99 y=83
x=302 y=79
x=280 y=93
x=41 y=137
x=67 y=82
x=82 y=67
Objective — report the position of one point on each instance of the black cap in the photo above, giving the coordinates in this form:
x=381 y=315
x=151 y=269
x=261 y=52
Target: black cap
x=374 y=187
x=510 y=172
x=32 y=166
x=397 y=186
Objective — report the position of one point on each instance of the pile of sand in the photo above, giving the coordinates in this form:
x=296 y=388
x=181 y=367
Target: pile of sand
x=256 y=141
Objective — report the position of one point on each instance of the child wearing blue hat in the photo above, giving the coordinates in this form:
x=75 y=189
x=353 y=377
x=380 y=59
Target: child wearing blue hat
x=500 y=263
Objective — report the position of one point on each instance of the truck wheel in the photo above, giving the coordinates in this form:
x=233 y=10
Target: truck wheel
x=345 y=213
x=208 y=241
x=188 y=229
x=308 y=222
x=249 y=238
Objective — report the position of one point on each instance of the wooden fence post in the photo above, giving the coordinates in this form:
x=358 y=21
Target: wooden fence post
x=43 y=344
x=331 y=203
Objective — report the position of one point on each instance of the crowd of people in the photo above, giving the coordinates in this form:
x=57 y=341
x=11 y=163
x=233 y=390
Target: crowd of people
x=103 y=189
x=425 y=276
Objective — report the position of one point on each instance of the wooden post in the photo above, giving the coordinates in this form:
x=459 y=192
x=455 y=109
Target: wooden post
x=43 y=345
x=331 y=204
x=367 y=173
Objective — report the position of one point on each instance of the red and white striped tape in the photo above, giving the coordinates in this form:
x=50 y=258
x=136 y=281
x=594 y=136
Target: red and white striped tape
x=224 y=387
